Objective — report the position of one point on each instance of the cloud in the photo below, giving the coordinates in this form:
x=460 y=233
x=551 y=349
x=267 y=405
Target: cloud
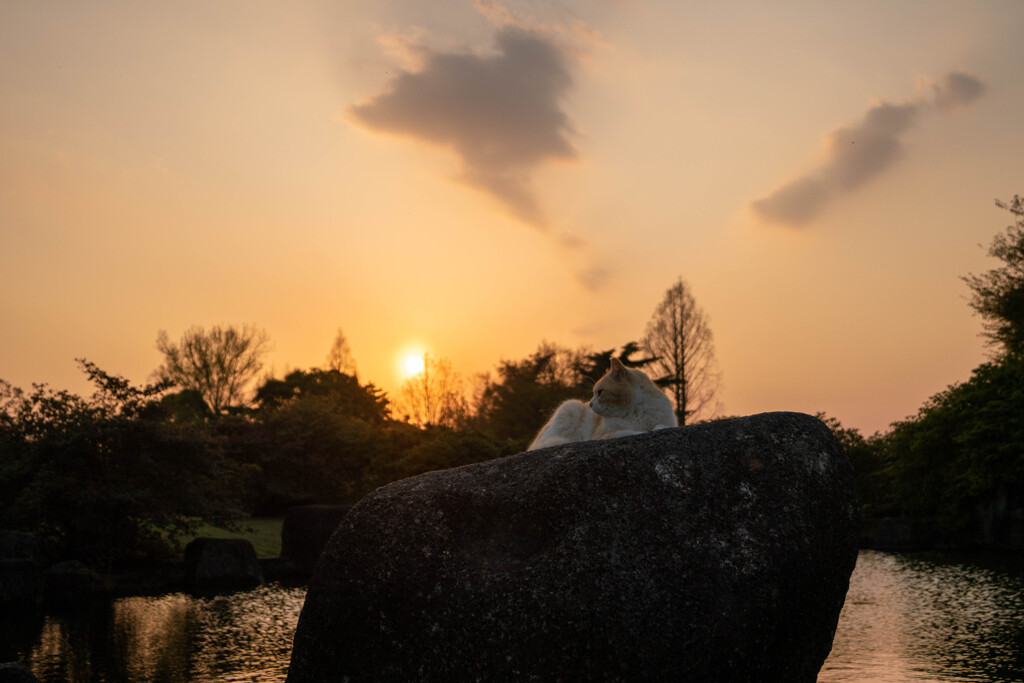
x=500 y=113
x=795 y=203
x=957 y=89
x=856 y=154
x=593 y=277
x=573 y=34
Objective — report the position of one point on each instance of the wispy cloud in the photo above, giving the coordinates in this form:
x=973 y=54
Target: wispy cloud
x=500 y=113
x=855 y=154
x=593 y=277
x=576 y=36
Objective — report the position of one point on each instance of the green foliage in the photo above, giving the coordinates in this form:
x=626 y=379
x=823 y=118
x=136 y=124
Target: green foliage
x=867 y=458
x=124 y=473
x=313 y=447
x=186 y=405
x=965 y=446
x=339 y=390
x=516 y=404
x=443 y=449
x=519 y=402
x=319 y=435
x=999 y=293
x=596 y=365
x=107 y=479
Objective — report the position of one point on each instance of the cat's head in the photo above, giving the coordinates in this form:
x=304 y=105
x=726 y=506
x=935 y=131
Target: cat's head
x=614 y=393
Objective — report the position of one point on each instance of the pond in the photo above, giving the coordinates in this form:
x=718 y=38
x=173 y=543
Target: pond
x=930 y=617
x=245 y=636
x=907 y=618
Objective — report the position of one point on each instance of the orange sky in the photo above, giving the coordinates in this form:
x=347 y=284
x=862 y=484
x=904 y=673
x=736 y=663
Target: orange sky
x=471 y=178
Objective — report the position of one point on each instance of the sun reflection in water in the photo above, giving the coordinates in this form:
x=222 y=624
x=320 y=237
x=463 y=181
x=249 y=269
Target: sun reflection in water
x=905 y=619
x=150 y=635
x=174 y=638
x=908 y=619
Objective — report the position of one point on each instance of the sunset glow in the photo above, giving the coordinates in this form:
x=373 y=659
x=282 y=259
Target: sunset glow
x=412 y=365
x=489 y=175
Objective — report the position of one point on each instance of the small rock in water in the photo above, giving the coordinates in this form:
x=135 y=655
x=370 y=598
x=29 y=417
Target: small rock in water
x=306 y=531
x=221 y=563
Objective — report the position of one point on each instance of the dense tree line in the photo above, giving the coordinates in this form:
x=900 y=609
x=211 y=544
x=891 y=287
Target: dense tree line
x=122 y=474
x=962 y=455
x=113 y=477
x=963 y=451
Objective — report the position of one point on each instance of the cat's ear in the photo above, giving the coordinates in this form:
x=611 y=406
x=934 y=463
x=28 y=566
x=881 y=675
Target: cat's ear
x=617 y=367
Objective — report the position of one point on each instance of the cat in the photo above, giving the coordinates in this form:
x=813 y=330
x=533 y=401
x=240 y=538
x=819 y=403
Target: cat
x=625 y=402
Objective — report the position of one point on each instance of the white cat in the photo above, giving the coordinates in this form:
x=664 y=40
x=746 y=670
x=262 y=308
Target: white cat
x=625 y=402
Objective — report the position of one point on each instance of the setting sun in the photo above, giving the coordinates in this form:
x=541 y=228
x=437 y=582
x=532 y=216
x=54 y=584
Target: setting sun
x=380 y=187
x=412 y=364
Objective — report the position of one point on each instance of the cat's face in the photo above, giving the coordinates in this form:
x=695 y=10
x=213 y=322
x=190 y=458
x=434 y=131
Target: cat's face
x=613 y=393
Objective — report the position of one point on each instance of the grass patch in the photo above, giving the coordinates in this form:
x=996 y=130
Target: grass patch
x=264 y=533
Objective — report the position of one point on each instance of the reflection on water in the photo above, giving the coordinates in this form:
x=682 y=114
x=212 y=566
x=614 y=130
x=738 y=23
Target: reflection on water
x=235 y=637
x=905 y=619
x=913 y=619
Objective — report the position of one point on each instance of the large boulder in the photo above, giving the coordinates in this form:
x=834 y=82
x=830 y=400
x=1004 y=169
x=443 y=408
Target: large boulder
x=221 y=564
x=305 y=532
x=21 y=582
x=18 y=545
x=717 y=552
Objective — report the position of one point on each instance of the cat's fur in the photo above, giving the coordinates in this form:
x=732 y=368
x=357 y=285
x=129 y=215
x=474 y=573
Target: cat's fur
x=625 y=402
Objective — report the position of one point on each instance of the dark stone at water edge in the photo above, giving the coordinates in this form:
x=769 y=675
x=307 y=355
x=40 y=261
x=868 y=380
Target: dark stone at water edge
x=221 y=563
x=13 y=672
x=70 y=582
x=21 y=575
x=717 y=552
x=305 y=532
x=18 y=545
x=901 y=534
x=21 y=582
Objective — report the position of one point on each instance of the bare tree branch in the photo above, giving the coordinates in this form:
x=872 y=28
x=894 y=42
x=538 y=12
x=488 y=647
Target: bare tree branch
x=434 y=396
x=219 y=364
x=679 y=336
x=340 y=356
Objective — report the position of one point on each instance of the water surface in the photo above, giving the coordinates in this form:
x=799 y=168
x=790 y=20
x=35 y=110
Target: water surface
x=930 y=617
x=906 y=618
x=245 y=636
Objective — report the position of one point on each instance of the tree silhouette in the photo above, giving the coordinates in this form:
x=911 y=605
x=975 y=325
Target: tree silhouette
x=433 y=396
x=342 y=391
x=516 y=403
x=596 y=365
x=679 y=337
x=219 y=364
x=340 y=356
x=109 y=478
x=562 y=366
x=999 y=293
